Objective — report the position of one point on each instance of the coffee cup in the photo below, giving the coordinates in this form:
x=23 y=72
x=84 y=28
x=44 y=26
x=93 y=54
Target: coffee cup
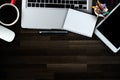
x=9 y=13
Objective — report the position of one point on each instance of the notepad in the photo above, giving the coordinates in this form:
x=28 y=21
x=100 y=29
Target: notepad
x=80 y=22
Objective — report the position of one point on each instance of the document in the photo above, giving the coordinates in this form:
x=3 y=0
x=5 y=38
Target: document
x=80 y=22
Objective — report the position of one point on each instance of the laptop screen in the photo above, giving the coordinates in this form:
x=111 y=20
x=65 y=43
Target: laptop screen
x=110 y=28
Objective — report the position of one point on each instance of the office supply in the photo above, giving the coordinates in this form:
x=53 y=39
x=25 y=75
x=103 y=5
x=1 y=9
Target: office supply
x=100 y=9
x=49 y=14
x=53 y=32
x=108 y=29
x=80 y=22
x=6 y=34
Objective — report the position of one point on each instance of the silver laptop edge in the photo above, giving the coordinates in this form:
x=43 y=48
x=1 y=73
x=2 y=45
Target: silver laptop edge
x=44 y=18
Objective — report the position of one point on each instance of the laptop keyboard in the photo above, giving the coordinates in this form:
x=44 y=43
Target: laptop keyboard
x=74 y=4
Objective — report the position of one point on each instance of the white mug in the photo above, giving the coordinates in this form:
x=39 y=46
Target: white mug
x=7 y=34
x=6 y=7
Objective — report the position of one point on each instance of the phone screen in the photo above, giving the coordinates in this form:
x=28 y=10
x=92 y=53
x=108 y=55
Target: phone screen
x=110 y=28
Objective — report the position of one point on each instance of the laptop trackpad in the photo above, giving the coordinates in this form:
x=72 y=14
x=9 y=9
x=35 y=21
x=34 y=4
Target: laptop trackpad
x=43 y=18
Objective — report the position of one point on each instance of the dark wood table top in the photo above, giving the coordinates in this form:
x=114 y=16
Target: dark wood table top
x=34 y=56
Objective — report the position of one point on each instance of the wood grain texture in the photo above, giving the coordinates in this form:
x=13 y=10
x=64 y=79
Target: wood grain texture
x=34 y=56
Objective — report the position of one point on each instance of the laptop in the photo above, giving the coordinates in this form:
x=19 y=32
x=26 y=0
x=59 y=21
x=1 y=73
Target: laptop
x=108 y=29
x=50 y=14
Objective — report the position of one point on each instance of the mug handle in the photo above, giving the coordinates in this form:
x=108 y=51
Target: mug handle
x=13 y=2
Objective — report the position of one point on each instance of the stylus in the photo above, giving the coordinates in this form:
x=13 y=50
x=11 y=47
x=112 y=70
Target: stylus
x=53 y=32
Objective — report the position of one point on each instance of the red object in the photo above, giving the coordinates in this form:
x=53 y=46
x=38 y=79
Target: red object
x=13 y=1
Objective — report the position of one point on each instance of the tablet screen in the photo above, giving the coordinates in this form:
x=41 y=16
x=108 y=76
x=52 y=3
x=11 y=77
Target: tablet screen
x=110 y=28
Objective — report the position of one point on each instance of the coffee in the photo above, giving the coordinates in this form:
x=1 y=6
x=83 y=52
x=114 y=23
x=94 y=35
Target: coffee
x=8 y=14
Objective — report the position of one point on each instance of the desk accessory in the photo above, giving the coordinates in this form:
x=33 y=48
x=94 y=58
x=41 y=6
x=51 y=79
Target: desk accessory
x=80 y=22
x=6 y=34
x=53 y=32
x=9 y=15
x=100 y=9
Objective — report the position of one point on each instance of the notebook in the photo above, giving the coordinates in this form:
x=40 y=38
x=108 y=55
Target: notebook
x=80 y=23
x=50 y=14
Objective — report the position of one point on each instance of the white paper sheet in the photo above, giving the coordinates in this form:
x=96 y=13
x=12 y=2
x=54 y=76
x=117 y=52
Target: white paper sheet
x=80 y=22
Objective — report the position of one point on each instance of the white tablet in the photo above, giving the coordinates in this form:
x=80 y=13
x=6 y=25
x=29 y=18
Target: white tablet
x=108 y=30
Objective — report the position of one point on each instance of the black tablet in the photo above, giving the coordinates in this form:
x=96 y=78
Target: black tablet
x=108 y=30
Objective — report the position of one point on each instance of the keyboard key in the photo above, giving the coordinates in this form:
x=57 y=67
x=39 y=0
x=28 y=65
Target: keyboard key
x=42 y=1
x=71 y=2
x=80 y=6
x=46 y=1
x=29 y=5
x=59 y=1
x=72 y=6
x=37 y=5
x=82 y=2
x=51 y=1
x=33 y=4
x=31 y=0
x=38 y=1
x=42 y=5
x=67 y=6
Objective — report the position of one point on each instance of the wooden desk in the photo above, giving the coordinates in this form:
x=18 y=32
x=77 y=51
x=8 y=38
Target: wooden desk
x=32 y=56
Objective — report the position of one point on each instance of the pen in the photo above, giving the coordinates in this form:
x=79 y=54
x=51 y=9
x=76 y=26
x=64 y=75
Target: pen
x=53 y=32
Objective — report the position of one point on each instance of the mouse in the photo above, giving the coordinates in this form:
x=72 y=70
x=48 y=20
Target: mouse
x=6 y=34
